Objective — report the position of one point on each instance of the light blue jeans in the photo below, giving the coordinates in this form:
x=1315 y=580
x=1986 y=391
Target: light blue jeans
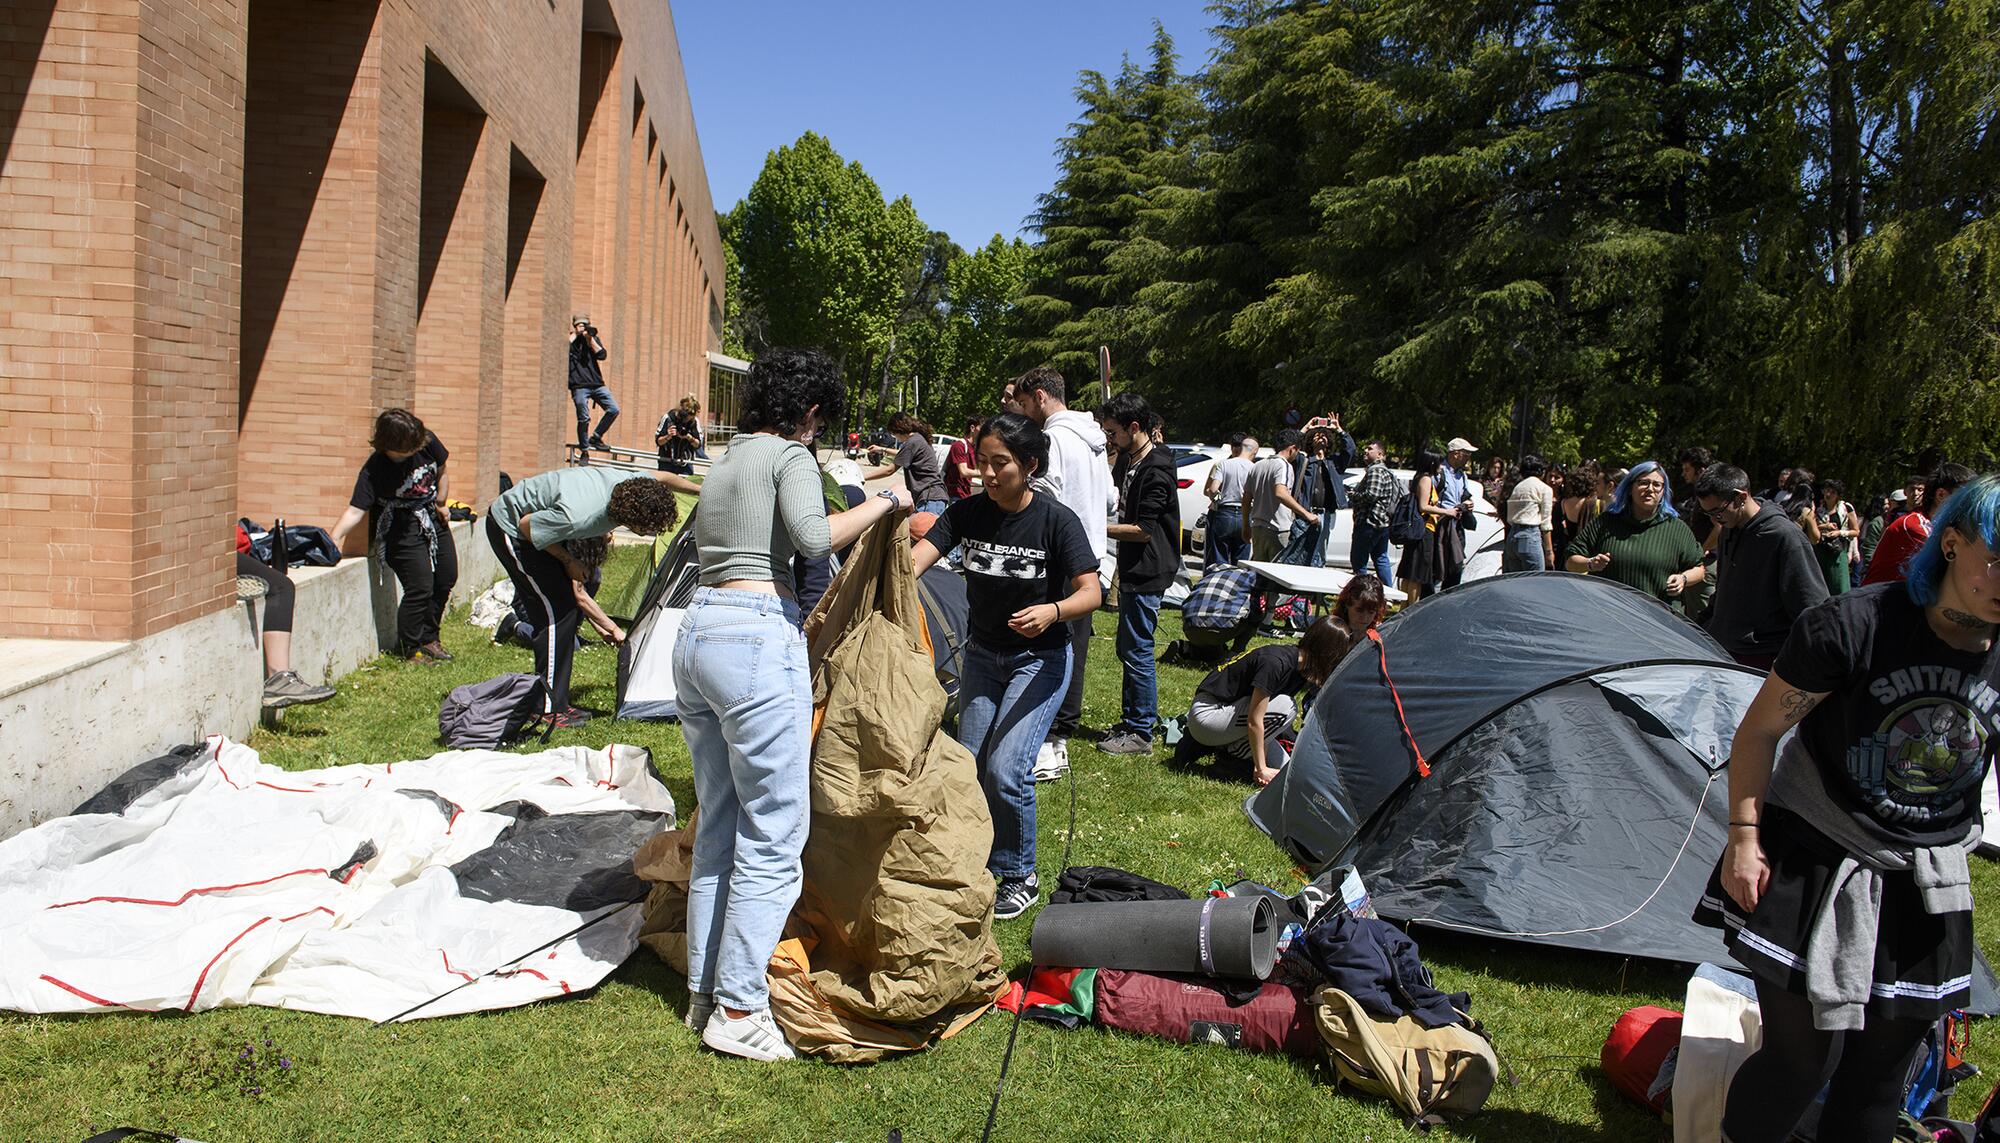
x=745 y=698
x=1007 y=702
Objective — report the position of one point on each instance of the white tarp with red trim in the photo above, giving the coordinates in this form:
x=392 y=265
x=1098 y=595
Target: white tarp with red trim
x=355 y=890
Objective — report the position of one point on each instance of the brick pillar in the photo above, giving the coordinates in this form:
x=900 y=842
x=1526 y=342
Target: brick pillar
x=461 y=248
x=311 y=118
x=119 y=221
x=530 y=365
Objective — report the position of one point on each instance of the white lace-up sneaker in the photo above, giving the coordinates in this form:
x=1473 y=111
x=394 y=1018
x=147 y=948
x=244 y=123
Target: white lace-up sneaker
x=755 y=1037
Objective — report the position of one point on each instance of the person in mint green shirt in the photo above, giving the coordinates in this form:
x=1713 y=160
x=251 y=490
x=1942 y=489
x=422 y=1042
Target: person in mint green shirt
x=1640 y=540
x=530 y=527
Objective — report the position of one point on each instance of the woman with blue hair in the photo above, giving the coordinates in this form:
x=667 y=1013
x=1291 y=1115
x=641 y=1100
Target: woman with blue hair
x=1639 y=540
x=1844 y=887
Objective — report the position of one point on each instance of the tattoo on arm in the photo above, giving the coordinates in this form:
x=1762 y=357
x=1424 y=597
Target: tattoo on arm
x=1794 y=704
x=1961 y=619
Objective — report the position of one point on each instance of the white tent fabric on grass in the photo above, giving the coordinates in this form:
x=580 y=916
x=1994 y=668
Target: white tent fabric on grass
x=207 y=879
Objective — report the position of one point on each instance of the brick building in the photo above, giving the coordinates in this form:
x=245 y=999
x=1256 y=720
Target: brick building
x=232 y=231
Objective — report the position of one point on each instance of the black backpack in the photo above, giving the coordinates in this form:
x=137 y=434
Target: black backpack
x=1406 y=523
x=490 y=714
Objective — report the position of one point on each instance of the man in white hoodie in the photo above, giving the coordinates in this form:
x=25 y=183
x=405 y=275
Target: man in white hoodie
x=1078 y=477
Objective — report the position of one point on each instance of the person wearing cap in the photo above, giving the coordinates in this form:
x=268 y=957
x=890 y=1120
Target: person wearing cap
x=1455 y=495
x=586 y=383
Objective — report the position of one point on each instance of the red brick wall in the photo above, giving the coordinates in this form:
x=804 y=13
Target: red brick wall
x=213 y=218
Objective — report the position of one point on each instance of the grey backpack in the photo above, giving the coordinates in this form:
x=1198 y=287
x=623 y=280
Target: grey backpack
x=489 y=714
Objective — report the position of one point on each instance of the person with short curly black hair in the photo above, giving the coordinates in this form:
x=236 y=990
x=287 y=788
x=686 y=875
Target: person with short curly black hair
x=530 y=527
x=745 y=693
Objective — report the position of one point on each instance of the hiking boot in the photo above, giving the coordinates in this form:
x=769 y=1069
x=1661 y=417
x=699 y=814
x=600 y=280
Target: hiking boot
x=1052 y=761
x=597 y=444
x=564 y=719
x=436 y=651
x=1127 y=742
x=286 y=688
x=755 y=1037
x=1016 y=896
x=701 y=1006
x=422 y=656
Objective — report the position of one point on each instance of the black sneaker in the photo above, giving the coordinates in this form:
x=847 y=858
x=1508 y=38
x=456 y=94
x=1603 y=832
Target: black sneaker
x=1016 y=897
x=597 y=444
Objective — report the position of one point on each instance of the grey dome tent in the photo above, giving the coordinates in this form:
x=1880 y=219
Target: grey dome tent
x=1555 y=770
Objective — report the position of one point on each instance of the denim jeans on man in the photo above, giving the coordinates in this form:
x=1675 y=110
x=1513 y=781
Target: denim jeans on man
x=1223 y=541
x=745 y=699
x=1138 y=618
x=582 y=398
x=1370 y=548
x=1007 y=701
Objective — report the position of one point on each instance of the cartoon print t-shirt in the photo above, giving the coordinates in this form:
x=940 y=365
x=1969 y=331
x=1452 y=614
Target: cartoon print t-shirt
x=1908 y=725
x=412 y=478
x=1013 y=560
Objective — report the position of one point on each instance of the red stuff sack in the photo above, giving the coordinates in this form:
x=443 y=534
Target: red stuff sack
x=1636 y=1049
x=1190 y=1011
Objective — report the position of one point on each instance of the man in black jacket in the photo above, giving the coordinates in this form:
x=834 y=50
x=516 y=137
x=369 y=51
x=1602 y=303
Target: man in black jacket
x=1147 y=532
x=1766 y=572
x=586 y=383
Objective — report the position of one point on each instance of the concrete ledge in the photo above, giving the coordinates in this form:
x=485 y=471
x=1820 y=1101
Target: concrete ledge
x=74 y=715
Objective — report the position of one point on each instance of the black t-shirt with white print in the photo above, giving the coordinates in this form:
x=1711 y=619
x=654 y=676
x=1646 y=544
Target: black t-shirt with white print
x=1908 y=726
x=413 y=478
x=1013 y=560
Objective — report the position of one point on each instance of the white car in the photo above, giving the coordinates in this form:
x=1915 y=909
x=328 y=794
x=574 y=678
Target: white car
x=1192 y=465
x=1482 y=556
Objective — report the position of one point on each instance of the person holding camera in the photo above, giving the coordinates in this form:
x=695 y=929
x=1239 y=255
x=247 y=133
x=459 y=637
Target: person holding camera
x=586 y=383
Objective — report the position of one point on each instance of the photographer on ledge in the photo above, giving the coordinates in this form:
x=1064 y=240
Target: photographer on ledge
x=586 y=383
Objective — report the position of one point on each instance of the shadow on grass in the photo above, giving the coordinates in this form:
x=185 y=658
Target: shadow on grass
x=1539 y=966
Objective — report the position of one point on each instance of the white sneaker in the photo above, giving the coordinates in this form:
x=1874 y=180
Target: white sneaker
x=755 y=1037
x=1052 y=761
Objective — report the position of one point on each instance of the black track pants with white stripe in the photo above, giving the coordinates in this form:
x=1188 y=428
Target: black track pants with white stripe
x=545 y=592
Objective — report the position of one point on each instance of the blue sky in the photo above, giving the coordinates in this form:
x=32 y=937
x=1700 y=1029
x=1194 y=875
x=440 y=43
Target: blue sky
x=956 y=103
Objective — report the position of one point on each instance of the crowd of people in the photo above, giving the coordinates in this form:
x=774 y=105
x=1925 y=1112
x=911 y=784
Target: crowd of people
x=1843 y=885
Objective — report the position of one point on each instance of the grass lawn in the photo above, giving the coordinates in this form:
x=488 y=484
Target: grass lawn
x=617 y=1064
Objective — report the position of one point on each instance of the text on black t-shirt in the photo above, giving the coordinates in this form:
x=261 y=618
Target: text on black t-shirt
x=1013 y=560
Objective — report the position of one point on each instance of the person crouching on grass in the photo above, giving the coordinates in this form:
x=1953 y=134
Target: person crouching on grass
x=1844 y=888
x=529 y=527
x=1259 y=689
x=1029 y=570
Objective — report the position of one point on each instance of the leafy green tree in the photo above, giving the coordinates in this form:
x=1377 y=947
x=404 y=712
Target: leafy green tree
x=824 y=256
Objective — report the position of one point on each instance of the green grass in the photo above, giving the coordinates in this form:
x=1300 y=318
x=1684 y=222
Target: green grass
x=618 y=1065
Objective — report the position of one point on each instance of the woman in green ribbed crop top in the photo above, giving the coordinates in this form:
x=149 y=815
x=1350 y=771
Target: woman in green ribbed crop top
x=745 y=694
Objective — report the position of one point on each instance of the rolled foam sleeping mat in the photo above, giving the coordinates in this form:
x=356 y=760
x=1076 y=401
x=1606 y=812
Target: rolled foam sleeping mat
x=1219 y=936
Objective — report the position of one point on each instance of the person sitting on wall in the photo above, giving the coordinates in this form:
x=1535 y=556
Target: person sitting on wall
x=400 y=489
x=1258 y=689
x=282 y=686
x=530 y=527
